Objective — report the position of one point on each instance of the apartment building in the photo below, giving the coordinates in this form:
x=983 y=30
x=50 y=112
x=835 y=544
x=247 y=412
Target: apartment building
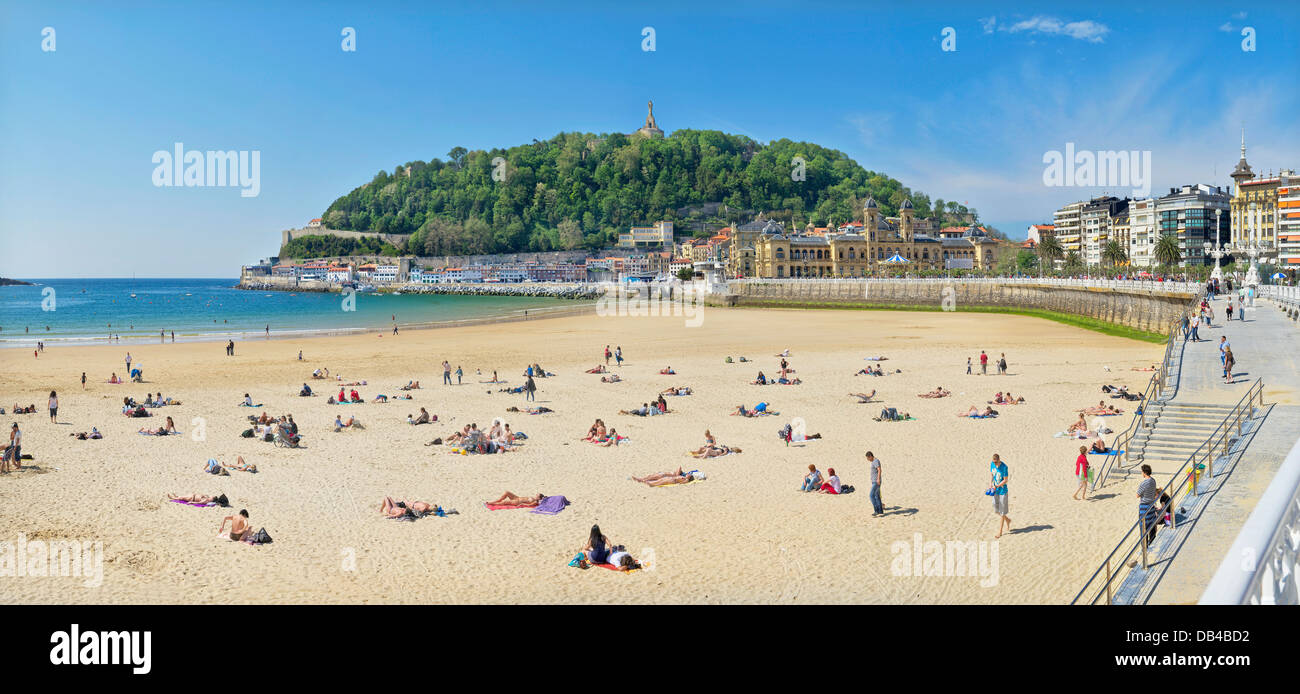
x=1096 y=223
x=1065 y=222
x=1288 y=221
x=1189 y=213
x=1143 y=232
x=657 y=236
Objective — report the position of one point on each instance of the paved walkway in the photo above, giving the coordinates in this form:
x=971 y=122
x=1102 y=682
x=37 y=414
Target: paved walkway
x=1267 y=346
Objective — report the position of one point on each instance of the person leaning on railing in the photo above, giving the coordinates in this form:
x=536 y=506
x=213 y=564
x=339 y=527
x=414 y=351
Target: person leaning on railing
x=1147 y=495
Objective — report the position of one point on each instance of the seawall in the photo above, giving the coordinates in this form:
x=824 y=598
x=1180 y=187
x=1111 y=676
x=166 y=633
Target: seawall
x=1150 y=310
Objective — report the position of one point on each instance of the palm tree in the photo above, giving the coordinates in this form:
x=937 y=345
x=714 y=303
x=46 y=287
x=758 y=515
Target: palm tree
x=1113 y=253
x=1050 y=250
x=1167 y=252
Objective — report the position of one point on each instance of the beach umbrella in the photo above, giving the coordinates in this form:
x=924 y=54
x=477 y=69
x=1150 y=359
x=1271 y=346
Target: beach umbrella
x=896 y=258
x=1279 y=276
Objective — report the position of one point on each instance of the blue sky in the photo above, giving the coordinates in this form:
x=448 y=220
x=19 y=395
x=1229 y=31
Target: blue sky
x=79 y=125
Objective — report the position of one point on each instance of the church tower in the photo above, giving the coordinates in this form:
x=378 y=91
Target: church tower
x=905 y=213
x=650 y=129
x=1242 y=173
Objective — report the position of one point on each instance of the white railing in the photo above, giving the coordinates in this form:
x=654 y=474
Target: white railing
x=1284 y=296
x=1263 y=564
x=1142 y=285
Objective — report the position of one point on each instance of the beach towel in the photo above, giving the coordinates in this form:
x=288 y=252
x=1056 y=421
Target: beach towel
x=1108 y=452
x=551 y=505
x=193 y=503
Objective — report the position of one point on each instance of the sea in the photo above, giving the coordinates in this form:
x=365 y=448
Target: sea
x=93 y=311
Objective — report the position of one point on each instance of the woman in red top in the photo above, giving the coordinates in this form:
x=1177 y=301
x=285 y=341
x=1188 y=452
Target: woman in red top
x=1081 y=471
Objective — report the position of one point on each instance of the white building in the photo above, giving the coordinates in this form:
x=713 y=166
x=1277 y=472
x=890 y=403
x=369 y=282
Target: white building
x=661 y=234
x=1143 y=232
x=463 y=274
x=315 y=271
x=386 y=273
x=1066 y=222
x=339 y=273
x=415 y=275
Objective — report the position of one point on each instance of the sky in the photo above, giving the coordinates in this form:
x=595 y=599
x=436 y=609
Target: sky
x=80 y=124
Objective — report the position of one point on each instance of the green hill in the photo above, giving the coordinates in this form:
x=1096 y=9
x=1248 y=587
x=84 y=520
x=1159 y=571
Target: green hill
x=579 y=190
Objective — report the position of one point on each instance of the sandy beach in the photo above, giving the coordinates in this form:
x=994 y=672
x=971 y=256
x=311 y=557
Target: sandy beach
x=743 y=535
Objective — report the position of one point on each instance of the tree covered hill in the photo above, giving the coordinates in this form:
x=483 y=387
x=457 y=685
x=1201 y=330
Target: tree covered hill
x=579 y=190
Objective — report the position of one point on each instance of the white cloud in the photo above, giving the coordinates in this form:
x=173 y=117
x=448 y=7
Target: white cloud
x=1227 y=26
x=989 y=24
x=1086 y=30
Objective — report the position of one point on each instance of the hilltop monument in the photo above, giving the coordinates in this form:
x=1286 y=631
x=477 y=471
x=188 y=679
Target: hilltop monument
x=650 y=129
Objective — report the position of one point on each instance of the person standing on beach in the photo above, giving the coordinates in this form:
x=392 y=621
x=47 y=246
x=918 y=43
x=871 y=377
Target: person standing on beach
x=54 y=407
x=1184 y=325
x=1146 y=495
x=128 y=363
x=967 y=366
x=1002 y=364
x=173 y=336
x=998 y=489
x=1081 y=471
x=1196 y=324
x=618 y=355
x=459 y=374
x=83 y=380
x=15 y=452
x=530 y=389
x=877 y=507
x=1229 y=310
x=608 y=354
x=984 y=363
x=1228 y=363
x=446 y=373
x=268 y=329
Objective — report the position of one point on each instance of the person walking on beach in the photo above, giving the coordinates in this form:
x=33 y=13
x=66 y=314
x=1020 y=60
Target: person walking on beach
x=877 y=507
x=618 y=355
x=299 y=355
x=83 y=380
x=1081 y=472
x=1002 y=364
x=1224 y=345
x=1196 y=324
x=530 y=389
x=967 y=366
x=268 y=329
x=608 y=354
x=984 y=363
x=1184 y=326
x=1228 y=363
x=446 y=373
x=54 y=407
x=15 y=452
x=459 y=374
x=128 y=363
x=998 y=490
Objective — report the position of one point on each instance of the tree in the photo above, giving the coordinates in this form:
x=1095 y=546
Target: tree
x=1114 y=254
x=1072 y=260
x=570 y=234
x=685 y=274
x=1050 y=250
x=457 y=156
x=1167 y=251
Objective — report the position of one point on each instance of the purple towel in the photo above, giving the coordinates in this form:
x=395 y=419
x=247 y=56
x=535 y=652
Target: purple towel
x=551 y=505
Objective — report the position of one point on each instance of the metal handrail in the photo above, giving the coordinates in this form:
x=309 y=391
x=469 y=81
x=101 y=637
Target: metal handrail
x=1155 y=388
x=1115 y=566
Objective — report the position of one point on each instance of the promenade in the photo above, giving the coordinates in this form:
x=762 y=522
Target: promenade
x=1185 y=559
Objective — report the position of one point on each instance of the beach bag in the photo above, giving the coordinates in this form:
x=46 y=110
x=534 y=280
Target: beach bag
x=785 y=432
x=260 y=537
x=269 y=437
x=248 y=434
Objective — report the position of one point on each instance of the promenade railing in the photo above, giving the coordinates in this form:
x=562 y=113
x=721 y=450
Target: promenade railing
x=1132 y=549
x=1142 y=285
x=1287 y=297
x=1263 y=565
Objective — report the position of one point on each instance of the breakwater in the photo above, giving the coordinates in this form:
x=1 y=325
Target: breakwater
x=1150 y=308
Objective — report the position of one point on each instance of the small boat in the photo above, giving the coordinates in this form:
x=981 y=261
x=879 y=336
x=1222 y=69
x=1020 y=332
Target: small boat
x=133 y=296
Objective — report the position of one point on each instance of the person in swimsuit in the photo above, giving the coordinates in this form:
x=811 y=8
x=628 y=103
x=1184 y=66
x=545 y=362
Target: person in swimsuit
x=239 y=527
x=660 y=479
x=511 y=499
x=597 y=547
x=396 y=509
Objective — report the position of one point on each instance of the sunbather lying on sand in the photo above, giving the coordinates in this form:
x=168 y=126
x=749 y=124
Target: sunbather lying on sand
x=396 y=509
x=512 y=499
x=891 y=414
x=612 y=378
x=676 y=390
x=531 y=410
x=864 y=397
x=877 y=358
x=83 y=436
x=219 y=499
x=759 y=410
x=411 y=385
x=610 y=439
x=785 y=353
x=667 y=371
x=714 y=451
x=645 y=410
x=599 y=369
x=936 y=393
x=662 y=479
x=1148 y=368
x=975 y=411
x=351 y=423
x=1101 y=408
x=168 y=428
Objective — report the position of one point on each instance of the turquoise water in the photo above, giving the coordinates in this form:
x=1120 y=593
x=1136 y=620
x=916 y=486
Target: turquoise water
x=62 y=311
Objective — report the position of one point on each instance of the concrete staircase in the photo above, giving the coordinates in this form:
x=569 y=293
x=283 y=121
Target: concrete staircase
x=1173 y=431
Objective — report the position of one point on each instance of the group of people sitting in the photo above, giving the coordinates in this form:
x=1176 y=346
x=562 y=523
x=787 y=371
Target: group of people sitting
x=783 y=379
x=321 y=374
x=350 y=423
x=351 y=397
x=868 y=371
x=536 y=371
x=598 y=435
x=1006 y=399
x=131 y=408
x=649 y=409
x=83 y=436
x=599 y=550
x=667 y=371
x=742 y=359
x=1101 y=408
x=497 y=439
x=813 y=481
